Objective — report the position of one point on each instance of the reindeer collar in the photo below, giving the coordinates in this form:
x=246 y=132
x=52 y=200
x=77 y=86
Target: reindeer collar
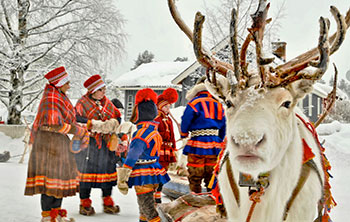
x=246 y=180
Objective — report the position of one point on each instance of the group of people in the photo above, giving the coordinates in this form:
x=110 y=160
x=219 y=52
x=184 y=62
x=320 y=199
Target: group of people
x=61 y=165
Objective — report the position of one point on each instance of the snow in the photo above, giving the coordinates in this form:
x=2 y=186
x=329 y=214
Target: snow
x=17 y=207
x=151 y=74
x=324 y=89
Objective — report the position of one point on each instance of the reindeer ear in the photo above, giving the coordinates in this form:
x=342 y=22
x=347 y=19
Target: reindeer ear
x=220 y=90
x=301 y=87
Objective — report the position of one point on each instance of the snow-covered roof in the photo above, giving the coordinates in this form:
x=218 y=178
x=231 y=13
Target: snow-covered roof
x=154 y=75
x=222 y=44
x=323 y=90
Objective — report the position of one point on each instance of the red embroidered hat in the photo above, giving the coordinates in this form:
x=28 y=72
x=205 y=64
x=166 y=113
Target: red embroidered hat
x=169 y=96
x=58 y=77
x=94 y=83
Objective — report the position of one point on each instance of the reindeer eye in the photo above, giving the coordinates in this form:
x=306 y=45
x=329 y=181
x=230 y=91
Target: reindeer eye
x=228 y=104
x=286 y=104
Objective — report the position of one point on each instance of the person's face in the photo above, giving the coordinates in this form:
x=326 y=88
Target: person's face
x=166 y=109
x=99 y=94
x=65 y=87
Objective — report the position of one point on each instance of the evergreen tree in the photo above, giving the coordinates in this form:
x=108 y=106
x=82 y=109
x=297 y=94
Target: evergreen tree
x=181 y=59
x=145 y=57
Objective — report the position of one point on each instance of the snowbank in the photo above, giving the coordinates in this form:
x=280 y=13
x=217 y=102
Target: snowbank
x=328 y=128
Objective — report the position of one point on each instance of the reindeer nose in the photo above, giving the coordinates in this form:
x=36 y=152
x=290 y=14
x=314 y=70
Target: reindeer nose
x=248 y=140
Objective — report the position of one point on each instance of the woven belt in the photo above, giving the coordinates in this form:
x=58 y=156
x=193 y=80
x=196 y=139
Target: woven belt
x=205 y=132
x=141 y=162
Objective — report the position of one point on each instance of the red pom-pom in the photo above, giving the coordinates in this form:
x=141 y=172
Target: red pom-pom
x=169 y=95
x=144 y=95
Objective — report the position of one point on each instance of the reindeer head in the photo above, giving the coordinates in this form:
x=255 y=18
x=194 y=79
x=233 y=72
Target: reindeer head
x=260 y=113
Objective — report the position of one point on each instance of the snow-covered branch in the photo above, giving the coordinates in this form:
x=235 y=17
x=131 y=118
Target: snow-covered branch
x=51 y=18
x=4 y=102
x=32 y=100
x=6 y=16
x=33 y=81
x=29 y=93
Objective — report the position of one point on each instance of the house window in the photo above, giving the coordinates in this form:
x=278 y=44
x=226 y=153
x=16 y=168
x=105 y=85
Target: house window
x=310 y=105
x=318 y=106
x=129 y=106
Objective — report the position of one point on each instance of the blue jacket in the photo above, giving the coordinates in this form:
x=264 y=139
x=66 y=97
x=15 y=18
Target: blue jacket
x=202 y=113
x=143 y=156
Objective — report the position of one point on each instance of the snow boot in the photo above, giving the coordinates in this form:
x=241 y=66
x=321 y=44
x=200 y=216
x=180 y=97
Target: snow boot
x=86 y=208
x=62 y=216
x=109 y=207
x=147 y=206
x=49 y=216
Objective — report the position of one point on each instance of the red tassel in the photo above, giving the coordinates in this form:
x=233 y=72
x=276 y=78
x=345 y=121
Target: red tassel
x=86 y=202
x=169 y=95
x=308 y=154
x=62 y=212
x=53 y=214
x=146 y=94
x=108 y=201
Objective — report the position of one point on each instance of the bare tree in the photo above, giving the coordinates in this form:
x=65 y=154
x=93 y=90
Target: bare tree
x=37 y=35
x=219 y=17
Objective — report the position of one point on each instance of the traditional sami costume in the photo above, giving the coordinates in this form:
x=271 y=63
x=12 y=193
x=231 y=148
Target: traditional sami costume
x=143 y=156
x=52 y=170
x=97 y=164
x=142 y=169
x=204 y=120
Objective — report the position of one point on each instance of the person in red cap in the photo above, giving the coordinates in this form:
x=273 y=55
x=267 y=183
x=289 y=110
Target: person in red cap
x=166 y=130
x=141 y=168
x=52 y=171
x=97 y=164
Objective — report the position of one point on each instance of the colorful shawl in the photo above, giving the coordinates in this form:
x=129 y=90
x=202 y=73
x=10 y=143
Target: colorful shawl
x=54 y=109
x=88 y=108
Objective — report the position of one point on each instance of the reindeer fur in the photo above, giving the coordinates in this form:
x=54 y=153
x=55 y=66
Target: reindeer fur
x=281 y=150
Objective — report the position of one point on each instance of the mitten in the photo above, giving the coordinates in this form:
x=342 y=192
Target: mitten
x=123 y=177
x=96 y=125
x=113 y=142
x=110 y=126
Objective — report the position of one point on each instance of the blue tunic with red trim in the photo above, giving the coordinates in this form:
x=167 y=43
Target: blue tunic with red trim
x=203 y=113
x=143 y=156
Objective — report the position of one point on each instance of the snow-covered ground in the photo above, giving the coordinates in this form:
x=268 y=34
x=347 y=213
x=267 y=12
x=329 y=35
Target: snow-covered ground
x=16 y=207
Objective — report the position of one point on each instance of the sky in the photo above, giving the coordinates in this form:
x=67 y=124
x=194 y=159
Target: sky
x=17 y=207
x=150 y=27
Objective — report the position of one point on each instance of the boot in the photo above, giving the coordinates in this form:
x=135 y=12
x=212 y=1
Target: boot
x=86 y=208
x=109 y=207
x=48 y=219
x=49 y=216
x=147 y=204
x=62 y=216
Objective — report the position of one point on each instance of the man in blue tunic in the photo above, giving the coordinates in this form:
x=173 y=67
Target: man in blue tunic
x=141 y=168
x=204 y=121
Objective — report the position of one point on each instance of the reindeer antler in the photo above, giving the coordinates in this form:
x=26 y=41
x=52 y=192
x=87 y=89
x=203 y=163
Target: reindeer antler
x=257 y=33
x=203 y=57
x=291 y=71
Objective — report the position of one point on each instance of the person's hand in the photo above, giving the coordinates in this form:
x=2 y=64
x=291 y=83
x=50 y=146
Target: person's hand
x=123 y=177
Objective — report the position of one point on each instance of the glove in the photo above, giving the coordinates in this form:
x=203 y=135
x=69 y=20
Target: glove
x=123 y=177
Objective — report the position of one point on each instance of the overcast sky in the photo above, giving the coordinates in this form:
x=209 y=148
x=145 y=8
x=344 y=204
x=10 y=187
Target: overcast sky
x=150 y=27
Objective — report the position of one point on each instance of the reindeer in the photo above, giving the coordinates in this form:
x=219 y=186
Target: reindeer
x=273 y=168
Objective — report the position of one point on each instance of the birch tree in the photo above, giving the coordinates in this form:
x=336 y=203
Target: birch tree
x=86 y=36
